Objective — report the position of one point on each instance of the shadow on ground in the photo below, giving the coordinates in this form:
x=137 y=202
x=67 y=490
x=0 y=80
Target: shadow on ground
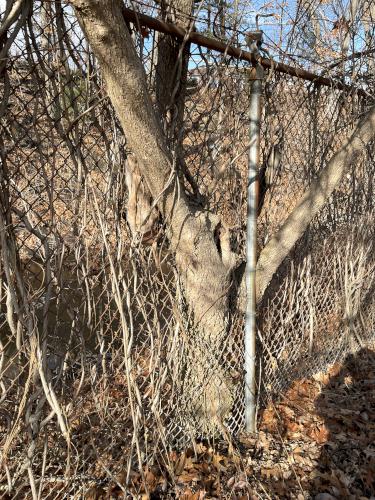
x=346 y=466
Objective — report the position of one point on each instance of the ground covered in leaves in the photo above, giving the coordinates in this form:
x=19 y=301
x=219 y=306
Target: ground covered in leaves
x=318 y=442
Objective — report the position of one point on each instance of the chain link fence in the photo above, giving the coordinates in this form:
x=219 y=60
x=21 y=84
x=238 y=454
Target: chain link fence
x=318 y=307
x=97 y=366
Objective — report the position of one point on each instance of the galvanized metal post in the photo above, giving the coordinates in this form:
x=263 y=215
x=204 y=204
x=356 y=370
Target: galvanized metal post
x=251 y=244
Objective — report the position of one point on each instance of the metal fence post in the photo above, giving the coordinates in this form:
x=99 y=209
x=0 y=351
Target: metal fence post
x=256 y=86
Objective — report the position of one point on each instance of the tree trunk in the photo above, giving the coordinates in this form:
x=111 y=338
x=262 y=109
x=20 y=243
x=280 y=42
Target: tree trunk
x=141 y=216
x=204 y=272
x=170 y=82
x=352 y=10
x=368 y=23
x=172 y=69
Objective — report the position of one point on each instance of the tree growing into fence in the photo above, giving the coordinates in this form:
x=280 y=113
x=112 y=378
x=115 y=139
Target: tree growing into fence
x=204 y=258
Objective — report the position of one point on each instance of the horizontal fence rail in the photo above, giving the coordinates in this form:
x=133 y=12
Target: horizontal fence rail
x=191 y=36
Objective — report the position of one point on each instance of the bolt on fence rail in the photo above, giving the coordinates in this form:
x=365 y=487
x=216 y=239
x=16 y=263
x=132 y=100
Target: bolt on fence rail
x=101 y=370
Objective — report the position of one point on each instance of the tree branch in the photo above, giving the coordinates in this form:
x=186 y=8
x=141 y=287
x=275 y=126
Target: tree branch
x=277 y=249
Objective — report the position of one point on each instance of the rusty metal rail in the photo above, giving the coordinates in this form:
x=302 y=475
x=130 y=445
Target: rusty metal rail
x=141 y=20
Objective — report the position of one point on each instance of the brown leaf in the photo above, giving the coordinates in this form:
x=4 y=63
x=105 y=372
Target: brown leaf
x=231 y=481
x=335 y=369
x=319 y=434
x=188 y=477
x=208 y=483
x=321 y=377
x=248 y=441
x=200 y=448
x=94 y=493
x=293 y=427
x=219 y=462
x=151 y=479
x=240 y=485
x=190 y=495
x=179 y=464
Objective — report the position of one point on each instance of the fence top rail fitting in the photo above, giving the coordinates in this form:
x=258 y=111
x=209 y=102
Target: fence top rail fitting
x=141 y=20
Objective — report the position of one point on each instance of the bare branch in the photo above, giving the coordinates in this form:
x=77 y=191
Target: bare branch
x=312 y=201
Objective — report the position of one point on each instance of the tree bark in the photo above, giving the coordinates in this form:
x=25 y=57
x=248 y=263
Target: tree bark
x=352 y=10
x=368 y=22
x=172 y=68
x=141 y=215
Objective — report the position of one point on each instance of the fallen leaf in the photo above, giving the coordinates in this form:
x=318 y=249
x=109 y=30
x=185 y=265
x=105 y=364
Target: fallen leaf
x=179 y=465
x=319 y=434
x=188 y=477
x=217 y=462
x=190 y=495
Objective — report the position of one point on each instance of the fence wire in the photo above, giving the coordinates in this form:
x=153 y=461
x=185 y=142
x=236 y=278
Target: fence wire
x=98 y=364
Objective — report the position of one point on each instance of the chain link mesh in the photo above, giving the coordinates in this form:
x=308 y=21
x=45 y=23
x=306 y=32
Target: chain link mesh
x=96 y=350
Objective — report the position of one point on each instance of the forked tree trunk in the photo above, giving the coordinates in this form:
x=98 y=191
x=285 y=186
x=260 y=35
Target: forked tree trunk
x=205 y=272
x=171 y=69
x=172 y=58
